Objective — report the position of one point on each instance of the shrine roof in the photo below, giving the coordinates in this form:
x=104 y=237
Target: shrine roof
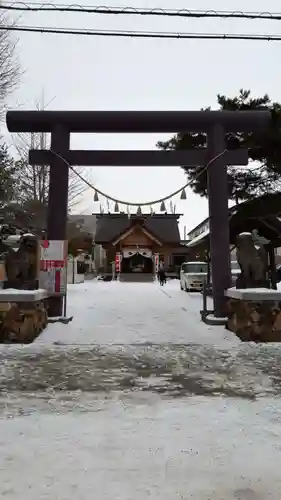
x=163 y=226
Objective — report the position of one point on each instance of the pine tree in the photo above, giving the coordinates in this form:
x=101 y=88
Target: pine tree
x=262 y=176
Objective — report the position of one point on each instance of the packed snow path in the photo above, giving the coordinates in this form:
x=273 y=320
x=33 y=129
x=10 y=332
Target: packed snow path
x=129 y=313
x=137 y=399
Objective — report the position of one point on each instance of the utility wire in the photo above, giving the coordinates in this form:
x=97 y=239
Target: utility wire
x=224 y=14
x=142 y=34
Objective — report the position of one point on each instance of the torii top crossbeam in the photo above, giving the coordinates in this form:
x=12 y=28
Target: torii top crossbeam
x=136 y=121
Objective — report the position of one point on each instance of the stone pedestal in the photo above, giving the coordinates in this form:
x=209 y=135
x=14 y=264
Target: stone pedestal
x=254 y=315
x=23 y=315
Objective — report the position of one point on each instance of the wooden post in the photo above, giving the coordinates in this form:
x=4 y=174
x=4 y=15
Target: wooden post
x=272 y=266
x=218 y=213
x=58 y=199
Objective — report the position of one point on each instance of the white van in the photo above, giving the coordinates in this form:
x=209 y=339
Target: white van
x=235 y=272
x=192 y=275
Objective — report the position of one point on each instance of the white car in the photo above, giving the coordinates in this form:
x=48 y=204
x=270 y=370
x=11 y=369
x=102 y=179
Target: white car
x=193 y=275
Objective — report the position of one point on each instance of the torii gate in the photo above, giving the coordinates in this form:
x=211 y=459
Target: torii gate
x=214 y=123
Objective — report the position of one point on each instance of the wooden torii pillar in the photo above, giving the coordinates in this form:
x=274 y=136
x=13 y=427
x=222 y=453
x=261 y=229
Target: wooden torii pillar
x=214 y=123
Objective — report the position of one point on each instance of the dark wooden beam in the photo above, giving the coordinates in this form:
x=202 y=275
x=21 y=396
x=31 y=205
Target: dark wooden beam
x=218 y=220
x=58 y=201
x=137 y=158
x=136 y=121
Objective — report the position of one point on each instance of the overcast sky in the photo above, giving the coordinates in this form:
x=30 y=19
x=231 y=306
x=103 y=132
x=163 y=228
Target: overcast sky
x=91 y=73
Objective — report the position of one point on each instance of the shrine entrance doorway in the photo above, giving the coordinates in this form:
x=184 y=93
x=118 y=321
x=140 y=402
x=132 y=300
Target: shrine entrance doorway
x=137 y=261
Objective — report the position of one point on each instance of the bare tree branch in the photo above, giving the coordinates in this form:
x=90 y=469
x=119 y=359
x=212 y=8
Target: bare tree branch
x=33 y=181
x=10 y=71
x=35 y=178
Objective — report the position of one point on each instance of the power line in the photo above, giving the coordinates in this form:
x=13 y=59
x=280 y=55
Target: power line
x=35 y=7
x=142 y=34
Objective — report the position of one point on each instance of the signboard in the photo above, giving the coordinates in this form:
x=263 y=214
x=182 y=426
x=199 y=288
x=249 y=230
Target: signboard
x=54 y=281
x=53 y=265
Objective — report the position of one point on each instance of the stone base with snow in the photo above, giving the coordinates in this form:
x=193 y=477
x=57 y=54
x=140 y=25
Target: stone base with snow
x=254 y=315
x=23 y=315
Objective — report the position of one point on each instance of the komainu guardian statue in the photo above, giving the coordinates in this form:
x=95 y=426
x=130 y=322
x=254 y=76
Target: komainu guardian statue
x=21 y=264
x=252 y=258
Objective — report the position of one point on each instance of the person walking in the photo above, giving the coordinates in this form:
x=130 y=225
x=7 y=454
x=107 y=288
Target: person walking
x=161 y=274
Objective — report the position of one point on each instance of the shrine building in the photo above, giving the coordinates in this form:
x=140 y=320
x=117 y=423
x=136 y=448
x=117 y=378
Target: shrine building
x=138 y=239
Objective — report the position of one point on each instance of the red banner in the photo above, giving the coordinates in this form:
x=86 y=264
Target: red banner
x=118 y=263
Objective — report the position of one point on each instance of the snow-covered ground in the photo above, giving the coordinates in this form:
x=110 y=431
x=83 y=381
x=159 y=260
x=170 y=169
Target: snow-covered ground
x=137 y=399
x=127 y=313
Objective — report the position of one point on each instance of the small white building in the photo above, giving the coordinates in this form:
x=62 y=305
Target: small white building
x=201 y=232
x=73 y=274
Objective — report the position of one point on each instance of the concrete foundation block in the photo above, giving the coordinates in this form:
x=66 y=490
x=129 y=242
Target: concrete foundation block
x=22 y=322
x=254 y=315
